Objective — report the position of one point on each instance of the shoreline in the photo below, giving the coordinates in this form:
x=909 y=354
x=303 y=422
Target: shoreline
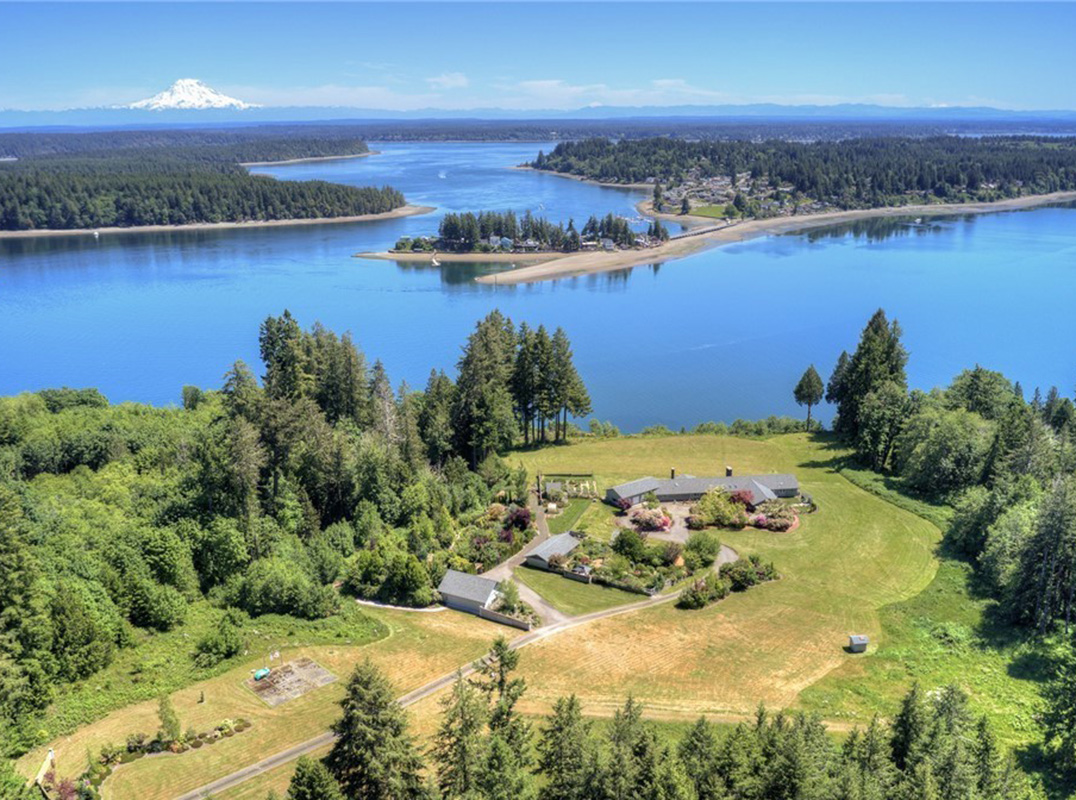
x=307 y=159
x=459 y=258
x=402 y=211
x=635 y=187
x=588 y=263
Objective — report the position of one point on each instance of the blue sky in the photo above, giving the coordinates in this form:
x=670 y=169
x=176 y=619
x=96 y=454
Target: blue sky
x=528 y=56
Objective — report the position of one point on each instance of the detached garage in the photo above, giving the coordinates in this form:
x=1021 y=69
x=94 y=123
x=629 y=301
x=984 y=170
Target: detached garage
x=465 y=592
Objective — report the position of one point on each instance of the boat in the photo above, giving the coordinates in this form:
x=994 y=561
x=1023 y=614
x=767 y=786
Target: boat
x=434 y=262
x=97 y=234
x=918 y=220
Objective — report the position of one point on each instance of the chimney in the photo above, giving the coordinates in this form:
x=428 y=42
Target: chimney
x=672 y=474
x=728 y=472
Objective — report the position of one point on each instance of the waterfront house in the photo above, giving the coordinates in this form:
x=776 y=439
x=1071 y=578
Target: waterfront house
x=688 y=488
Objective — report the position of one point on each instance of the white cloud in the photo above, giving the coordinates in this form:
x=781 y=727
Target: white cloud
x=449 y=80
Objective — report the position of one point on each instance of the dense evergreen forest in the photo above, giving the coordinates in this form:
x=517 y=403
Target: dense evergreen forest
x=1008 y=466
x=485 y=749
x=487 y=231
x=123 y=524
x=866 y=172
x=65 y=181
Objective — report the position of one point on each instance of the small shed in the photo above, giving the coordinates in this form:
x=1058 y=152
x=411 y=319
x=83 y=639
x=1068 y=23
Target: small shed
x=465 y=592
x=559 y=545
x=858 y=643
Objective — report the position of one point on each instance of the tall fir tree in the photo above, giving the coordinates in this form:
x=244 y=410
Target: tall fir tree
x=374 y=757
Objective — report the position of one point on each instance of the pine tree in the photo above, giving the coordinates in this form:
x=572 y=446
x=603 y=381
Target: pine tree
x=911 y=729
x=313 y=781
x=698 y=753
x=482 y=415
x=460 y=748
x=503 y=777
x=808 y=391
x=1059 y=719
x=503 y=692
x=564 y=752
x=880 y=357
x=373 y=757
x=383 y=402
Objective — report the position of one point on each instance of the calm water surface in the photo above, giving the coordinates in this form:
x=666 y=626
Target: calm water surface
x=721 y=334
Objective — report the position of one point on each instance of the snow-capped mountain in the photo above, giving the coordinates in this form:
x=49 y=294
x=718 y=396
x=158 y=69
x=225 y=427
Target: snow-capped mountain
x=189 y=93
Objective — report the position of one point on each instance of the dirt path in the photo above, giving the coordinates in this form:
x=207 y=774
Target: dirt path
x=504 y=571
x=500 y=572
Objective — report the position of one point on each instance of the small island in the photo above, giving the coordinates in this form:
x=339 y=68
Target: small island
x=500 y=236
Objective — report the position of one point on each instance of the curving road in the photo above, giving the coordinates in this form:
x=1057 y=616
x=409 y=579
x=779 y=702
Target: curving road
x=565 y=623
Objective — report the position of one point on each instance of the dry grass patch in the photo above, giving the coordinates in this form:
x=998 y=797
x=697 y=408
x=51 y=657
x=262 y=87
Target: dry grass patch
x=420 y=648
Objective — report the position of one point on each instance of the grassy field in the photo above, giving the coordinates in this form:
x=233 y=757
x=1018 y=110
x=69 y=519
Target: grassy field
x=418 y=648
x=845 y=563
x=573 y=597
x=866 y=562
x=566 y=520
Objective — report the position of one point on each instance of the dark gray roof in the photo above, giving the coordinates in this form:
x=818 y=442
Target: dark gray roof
x=559 y=545
x=636 y=487
x=468 y=587
x=761 y=487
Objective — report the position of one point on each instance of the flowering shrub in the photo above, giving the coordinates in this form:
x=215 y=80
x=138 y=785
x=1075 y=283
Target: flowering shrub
x=650 y=519
x=741 y=497
x=695 y=523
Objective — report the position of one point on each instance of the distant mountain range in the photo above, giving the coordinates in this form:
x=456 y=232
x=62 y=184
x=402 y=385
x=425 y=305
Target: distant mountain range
x=189 y=101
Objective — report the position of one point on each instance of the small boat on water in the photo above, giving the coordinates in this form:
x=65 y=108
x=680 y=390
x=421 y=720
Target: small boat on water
x=97 y=234
x=434 y=262
x=918 y=220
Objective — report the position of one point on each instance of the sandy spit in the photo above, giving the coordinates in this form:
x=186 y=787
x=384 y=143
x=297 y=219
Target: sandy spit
x=590 y=262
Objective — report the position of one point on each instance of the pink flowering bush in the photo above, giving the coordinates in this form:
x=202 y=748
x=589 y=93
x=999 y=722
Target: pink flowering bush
x=650 y=519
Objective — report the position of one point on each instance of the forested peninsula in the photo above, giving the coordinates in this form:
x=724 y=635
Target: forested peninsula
x=134 y=179
x=782 y=178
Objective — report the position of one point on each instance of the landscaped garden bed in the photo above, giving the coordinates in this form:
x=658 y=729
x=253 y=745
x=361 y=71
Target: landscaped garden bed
x=137 y=746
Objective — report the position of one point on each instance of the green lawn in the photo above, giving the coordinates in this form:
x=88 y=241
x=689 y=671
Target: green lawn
x=566 y=520
x=573 y=597
x=717 y=212
x=598 y=521
x=866 y=562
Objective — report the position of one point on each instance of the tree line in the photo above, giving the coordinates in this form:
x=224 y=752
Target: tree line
x=861 y=172
x=254 y=499
x=484 y=749
x=172 y=184
x=469 y=232
x=1005 y=464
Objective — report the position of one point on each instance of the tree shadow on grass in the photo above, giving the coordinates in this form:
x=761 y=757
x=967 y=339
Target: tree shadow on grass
x=1033 y=760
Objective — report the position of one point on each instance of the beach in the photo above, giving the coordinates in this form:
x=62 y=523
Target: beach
x=647 y=187
x=402 y=211
x=591 y=262
x=305 y=160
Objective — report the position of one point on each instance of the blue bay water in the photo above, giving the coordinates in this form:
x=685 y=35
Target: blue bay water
x=719 y=335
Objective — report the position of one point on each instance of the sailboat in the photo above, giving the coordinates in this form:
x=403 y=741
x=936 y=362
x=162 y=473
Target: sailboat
x=434 y=262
